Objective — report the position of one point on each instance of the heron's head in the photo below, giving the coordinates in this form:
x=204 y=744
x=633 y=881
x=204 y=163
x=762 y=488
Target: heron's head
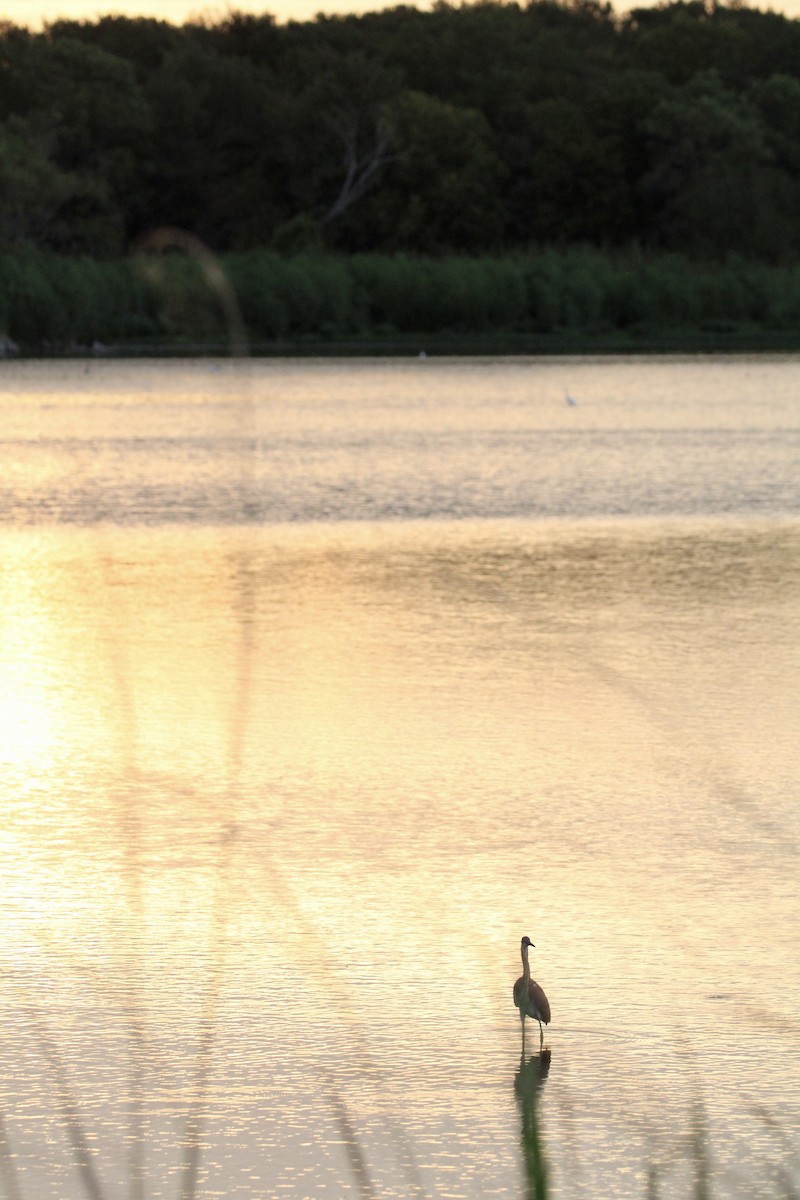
x=526 y=941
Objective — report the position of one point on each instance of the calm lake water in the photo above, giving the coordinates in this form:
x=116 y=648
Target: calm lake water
x=323 y=682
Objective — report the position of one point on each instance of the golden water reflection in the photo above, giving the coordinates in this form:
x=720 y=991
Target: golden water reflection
x=278 y=805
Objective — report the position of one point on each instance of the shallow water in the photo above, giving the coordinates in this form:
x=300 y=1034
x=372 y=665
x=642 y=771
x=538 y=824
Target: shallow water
x=323 y=683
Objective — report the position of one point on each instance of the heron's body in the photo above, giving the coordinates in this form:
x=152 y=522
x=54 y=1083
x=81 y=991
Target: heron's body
x=529 y=997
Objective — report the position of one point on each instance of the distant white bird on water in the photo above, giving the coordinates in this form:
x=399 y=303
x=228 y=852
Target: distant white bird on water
x=571 y=401
x=529 y=997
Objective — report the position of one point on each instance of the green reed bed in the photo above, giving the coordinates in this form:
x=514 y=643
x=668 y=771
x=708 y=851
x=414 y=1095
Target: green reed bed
x=544 y=299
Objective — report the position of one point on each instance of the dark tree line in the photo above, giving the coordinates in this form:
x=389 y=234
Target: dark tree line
x=482 y=128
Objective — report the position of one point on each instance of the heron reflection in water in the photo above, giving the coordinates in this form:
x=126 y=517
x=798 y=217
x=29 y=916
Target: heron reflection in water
x=528 y=1082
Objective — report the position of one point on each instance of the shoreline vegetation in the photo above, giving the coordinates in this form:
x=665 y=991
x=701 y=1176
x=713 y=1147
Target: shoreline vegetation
x=490 y=177
x=576 y=300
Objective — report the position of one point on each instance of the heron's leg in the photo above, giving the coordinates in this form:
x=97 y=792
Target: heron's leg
x=541 y=1035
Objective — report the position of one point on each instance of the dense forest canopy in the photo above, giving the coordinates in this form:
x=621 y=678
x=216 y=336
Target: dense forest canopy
x=488 y=127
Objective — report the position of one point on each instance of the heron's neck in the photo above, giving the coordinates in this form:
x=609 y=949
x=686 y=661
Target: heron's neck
x=526 y=967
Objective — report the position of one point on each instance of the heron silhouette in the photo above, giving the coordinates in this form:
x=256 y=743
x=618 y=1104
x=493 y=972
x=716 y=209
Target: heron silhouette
x=529 y=997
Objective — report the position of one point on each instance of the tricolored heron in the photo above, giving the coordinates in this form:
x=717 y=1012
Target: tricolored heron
x=529 y=997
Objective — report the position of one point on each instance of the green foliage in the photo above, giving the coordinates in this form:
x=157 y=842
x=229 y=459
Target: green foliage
x=33 y=189
x=186 y=307
x=85 y=121
x=49 y=300
x=292 y=297
x=30 y=309
x=144 y=42
x=434 y=295
x=577 y=189
x=714 y=185
x=465 y=129
x=442 y=185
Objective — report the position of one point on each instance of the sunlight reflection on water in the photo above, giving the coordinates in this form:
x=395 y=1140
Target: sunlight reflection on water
x=281 y=798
